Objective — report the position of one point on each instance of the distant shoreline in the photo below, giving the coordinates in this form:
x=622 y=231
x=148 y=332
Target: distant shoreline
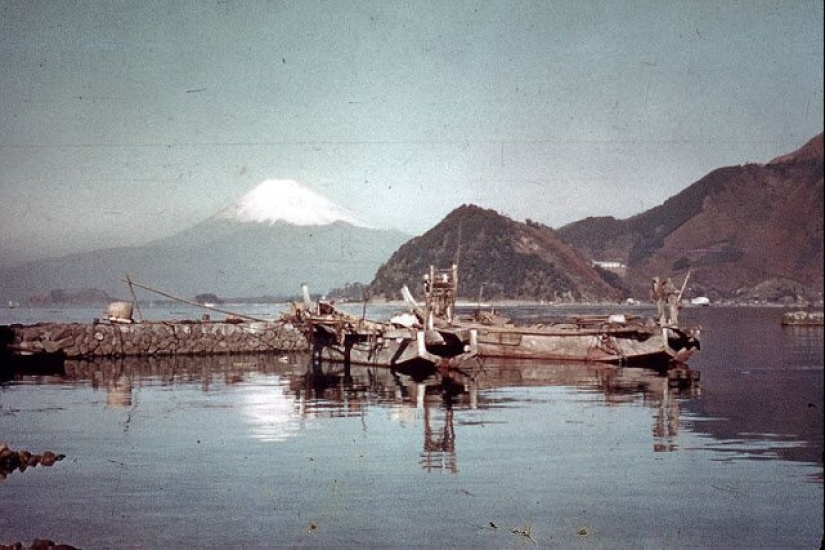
x=460 y=304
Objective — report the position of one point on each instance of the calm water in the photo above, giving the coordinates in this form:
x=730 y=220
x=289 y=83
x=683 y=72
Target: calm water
x=270 y=451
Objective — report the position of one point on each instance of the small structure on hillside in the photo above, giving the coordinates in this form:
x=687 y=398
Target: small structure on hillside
x=618 y=268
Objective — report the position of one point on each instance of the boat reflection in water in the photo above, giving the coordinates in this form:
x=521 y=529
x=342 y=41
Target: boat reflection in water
x=277 y=396
x=438 y=396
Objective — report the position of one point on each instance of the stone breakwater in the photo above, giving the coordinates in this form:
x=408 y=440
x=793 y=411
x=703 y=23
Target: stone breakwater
x=77 y=340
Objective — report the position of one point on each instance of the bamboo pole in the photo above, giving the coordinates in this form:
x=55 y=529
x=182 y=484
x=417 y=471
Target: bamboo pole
x=191 y=303
x=684 y=284
x=134 y=297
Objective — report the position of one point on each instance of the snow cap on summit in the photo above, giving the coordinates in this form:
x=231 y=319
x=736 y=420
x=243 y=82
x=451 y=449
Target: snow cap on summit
x=288 y=201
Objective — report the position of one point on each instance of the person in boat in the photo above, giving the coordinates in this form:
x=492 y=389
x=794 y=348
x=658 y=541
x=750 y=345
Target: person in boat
x=666 y=296
x=671 y=295
x=657 y=297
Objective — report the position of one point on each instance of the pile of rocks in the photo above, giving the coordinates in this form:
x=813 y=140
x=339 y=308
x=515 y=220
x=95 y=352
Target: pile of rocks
x=21 y=460
x=38 y=544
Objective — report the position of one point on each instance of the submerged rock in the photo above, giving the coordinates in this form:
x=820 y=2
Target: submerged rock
x=38 y=544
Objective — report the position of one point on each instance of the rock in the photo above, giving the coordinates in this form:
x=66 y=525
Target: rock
x=49 y=458
x=46 y=544
x=51 y=347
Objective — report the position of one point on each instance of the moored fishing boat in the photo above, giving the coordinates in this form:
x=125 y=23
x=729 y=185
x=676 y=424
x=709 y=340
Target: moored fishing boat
x=401 y=342
x=607 y=339
x=616 y=338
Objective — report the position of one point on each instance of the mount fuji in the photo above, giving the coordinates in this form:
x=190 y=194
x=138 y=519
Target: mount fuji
x=287 y=201
x=267 y=243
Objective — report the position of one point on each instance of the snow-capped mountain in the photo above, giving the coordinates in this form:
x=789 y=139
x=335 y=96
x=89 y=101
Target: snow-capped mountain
x=268 y=242
x=288 y=201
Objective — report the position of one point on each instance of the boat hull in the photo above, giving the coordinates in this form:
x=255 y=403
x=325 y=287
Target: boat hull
x=395 y=348
x=624 y=345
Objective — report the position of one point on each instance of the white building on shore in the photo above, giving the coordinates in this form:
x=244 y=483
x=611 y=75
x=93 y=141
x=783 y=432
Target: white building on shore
x=618 y=268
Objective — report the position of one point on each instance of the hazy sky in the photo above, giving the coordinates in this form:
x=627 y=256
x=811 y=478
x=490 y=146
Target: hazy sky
x=127 y=121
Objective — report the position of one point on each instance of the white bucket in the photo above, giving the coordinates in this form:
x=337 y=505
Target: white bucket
x=119 y=311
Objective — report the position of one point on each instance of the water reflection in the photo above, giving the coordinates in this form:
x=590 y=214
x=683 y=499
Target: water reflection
x=802 y=345
x=277 y=450
x=334 y=390
x=614 y=386
x=763 y=385
x=278 y=395
x=269 y=408
x=439 y=443
x=667 y=423
x=119 y=392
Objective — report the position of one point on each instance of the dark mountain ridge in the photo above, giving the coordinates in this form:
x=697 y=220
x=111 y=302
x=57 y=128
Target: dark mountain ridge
x=497 y=258
x=737 y=228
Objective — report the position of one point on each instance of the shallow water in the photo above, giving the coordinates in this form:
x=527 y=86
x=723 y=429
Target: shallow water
x=272 y=451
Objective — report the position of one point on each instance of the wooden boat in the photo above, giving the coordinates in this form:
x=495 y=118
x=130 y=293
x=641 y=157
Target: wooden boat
x=607 y=339
x=803 y=319
x=617 y=339
x=402 y=342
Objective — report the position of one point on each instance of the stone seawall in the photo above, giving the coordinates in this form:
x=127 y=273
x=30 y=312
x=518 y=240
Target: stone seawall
x=78 y=340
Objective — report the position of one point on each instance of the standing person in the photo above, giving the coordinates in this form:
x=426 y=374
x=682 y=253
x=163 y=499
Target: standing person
x=656 y=296
x=671 y=294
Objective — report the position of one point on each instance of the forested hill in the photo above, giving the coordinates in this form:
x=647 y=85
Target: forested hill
x=737 y=230
x=499 y=258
